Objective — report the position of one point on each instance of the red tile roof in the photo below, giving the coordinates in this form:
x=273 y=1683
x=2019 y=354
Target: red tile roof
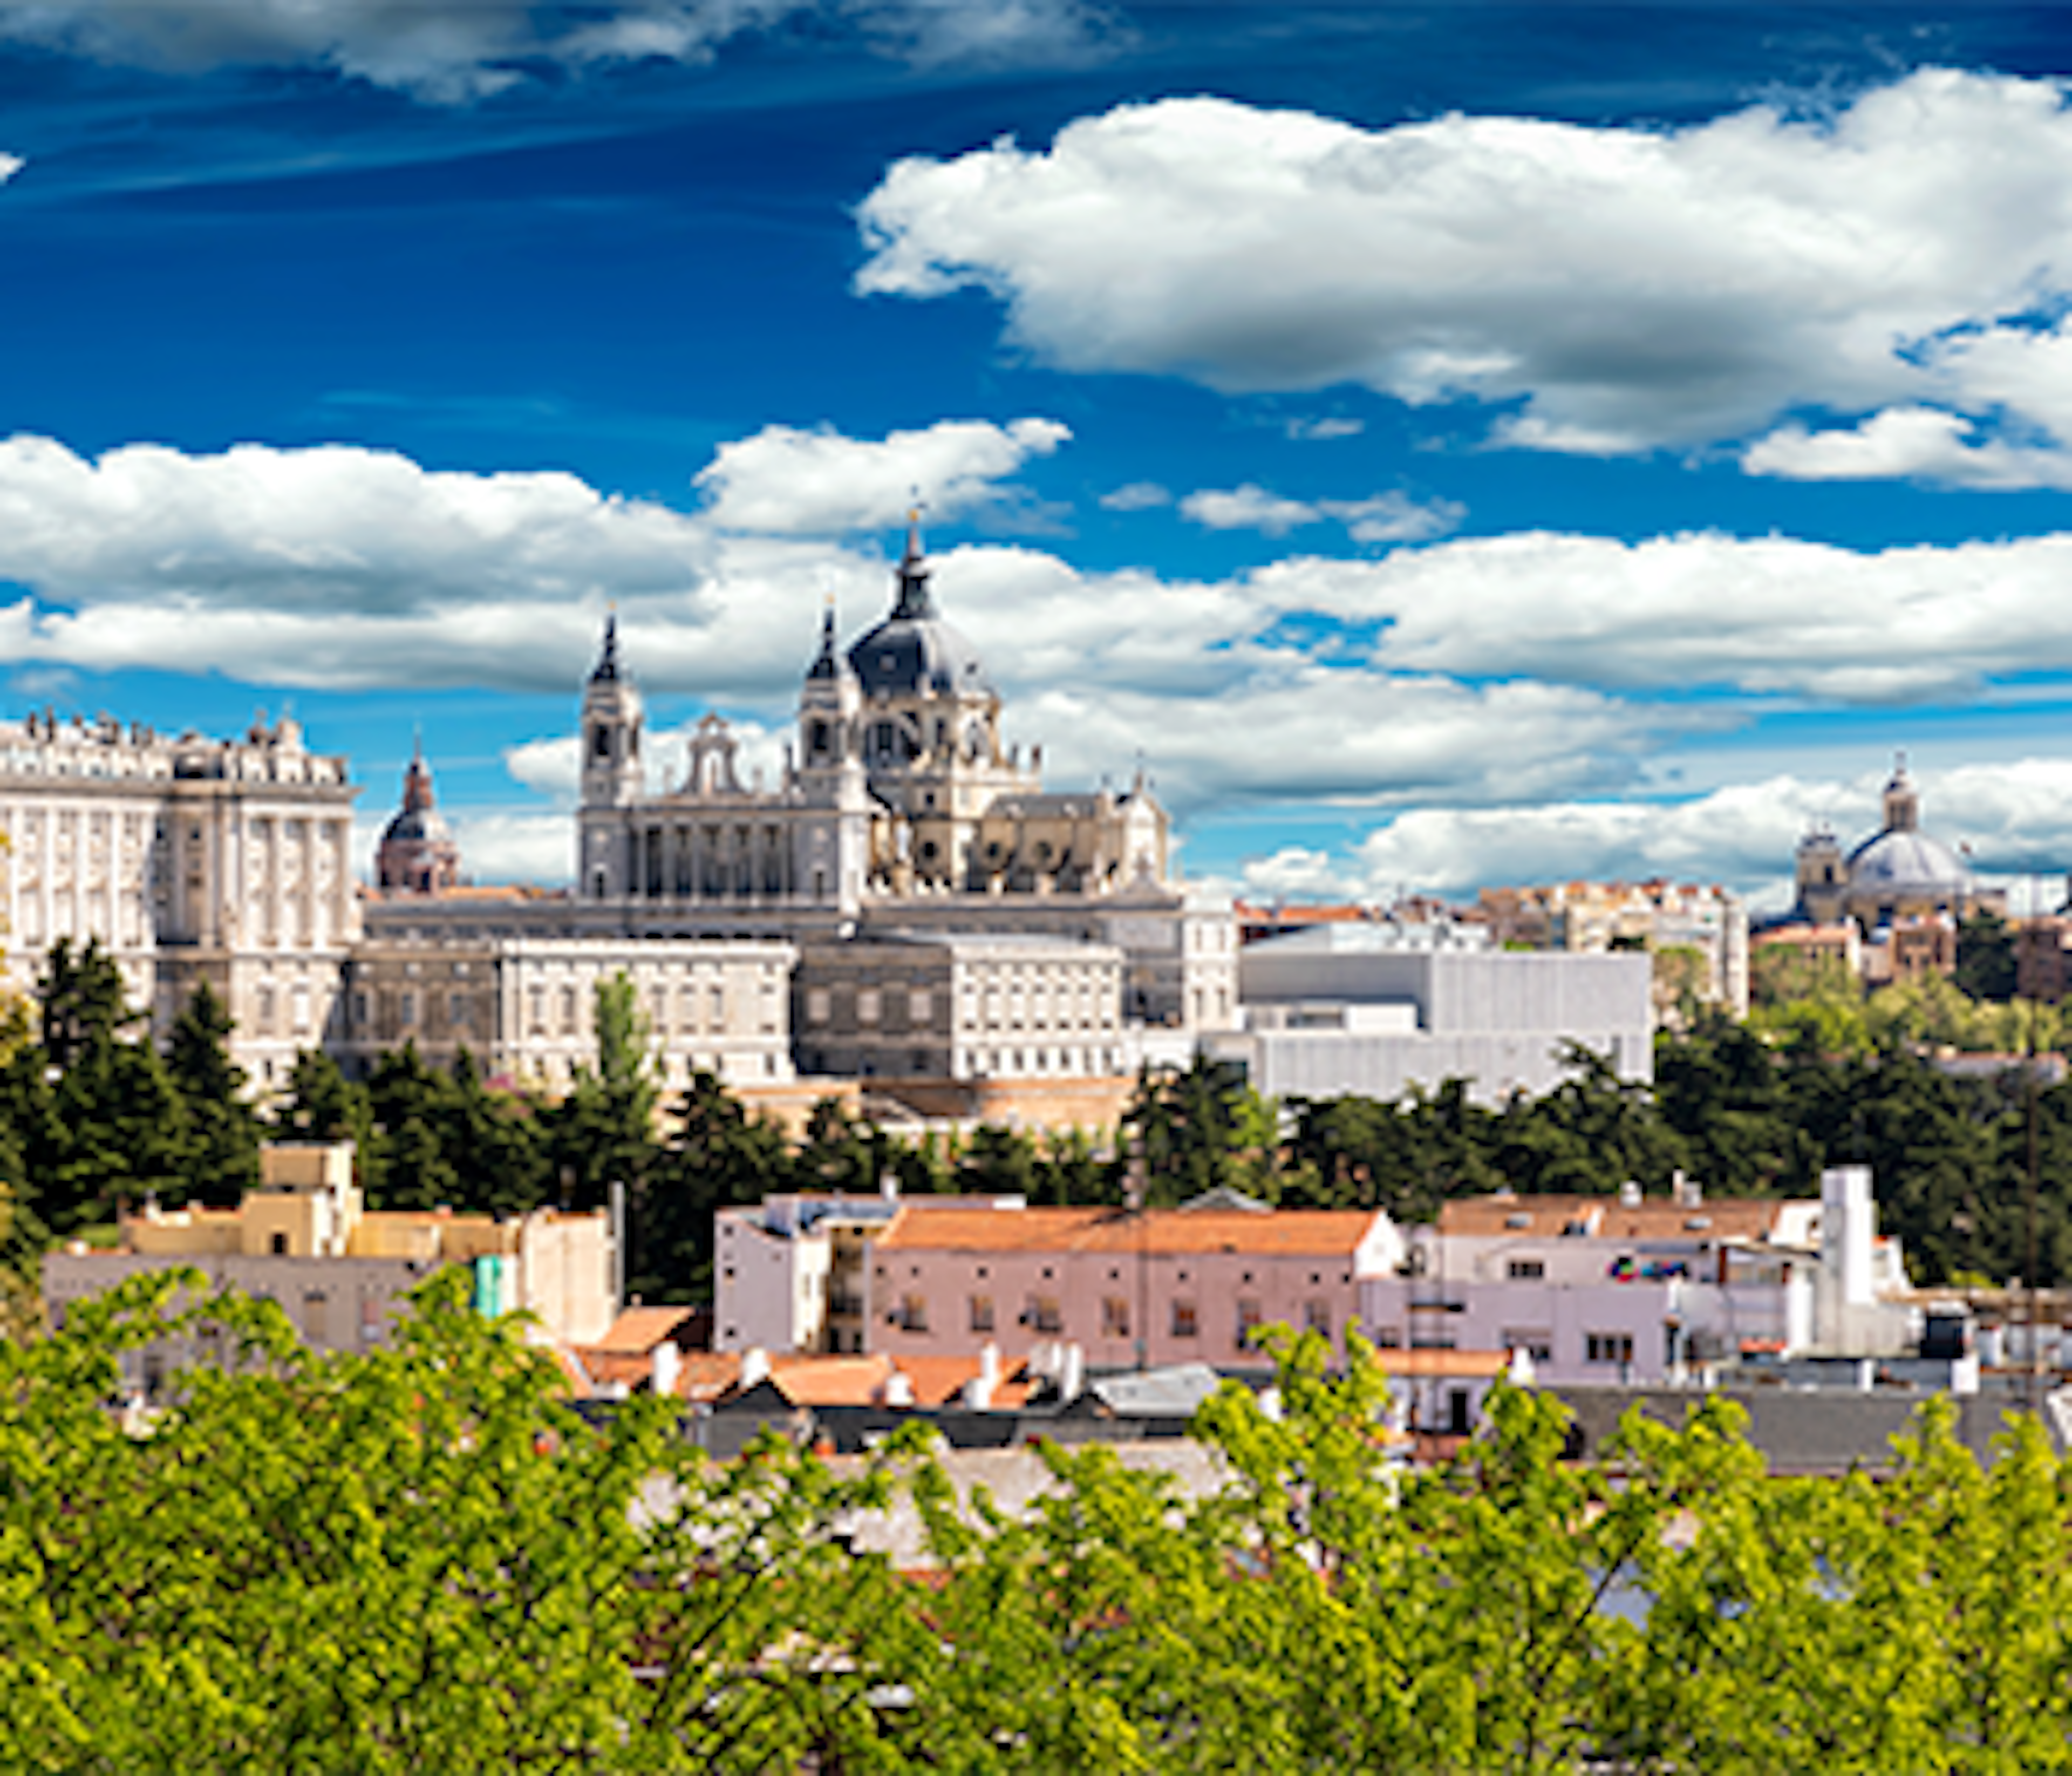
x=1603 y=1218
x=1163 y=1232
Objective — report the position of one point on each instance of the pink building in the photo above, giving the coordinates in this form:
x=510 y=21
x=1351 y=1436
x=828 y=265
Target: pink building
x=1167 y=1286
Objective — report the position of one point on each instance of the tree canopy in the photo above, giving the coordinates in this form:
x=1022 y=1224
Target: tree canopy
x=420 y=1558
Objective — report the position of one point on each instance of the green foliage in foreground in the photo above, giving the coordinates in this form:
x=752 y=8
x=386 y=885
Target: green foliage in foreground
x=419 y=1559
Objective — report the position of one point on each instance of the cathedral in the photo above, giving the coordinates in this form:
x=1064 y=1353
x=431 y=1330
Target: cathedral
x=1899 y=874
x=899 y=788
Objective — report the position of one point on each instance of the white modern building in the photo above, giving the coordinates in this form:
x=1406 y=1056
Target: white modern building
x=1346 y=1010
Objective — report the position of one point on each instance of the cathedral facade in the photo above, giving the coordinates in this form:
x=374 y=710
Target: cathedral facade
x=898 y=786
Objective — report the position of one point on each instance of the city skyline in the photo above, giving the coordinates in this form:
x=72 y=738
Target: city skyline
x=1449 y=444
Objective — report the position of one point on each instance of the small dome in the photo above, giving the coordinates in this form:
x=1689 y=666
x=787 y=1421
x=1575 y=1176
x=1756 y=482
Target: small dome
x=417 y=826
x=913 y=651
x=1907 y=863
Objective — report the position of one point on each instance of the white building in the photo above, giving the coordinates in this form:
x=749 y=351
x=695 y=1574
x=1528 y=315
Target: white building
x=1647 y=1290
x=186 y=859
x=1345 y=1009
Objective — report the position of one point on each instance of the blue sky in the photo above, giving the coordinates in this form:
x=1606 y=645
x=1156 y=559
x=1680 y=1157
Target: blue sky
x=1450 y=443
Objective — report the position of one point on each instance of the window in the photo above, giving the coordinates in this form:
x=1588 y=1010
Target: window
x=1248 y=1321
x=981 y=1312
x=920 y=1007
x=279 y=1244
x=818 y=1006
x=1316 y=1317
x=265 y=1011
x=457 y=1010
x=1042 y=1314
x=1184 y=1325
x=1608 y=1347
x=1537 y=1341
x=1527 y=1270
x=1115 y=1316
x=316 y=1320
x=409 y=1008
x=868 y=1004
x=913 y=1315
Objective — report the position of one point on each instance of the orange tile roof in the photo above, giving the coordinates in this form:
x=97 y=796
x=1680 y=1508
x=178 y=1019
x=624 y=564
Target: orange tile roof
x=806 y=1380
x=1543 y=1217
x=1164 y=1232
x=940 y=1381
x=643 y=1328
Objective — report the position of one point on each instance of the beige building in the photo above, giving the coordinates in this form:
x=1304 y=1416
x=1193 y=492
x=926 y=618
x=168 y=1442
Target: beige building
x=960 y=1006
x=525 y=1007
x=1655 y=915
x=187 y=860
x=306 y=1240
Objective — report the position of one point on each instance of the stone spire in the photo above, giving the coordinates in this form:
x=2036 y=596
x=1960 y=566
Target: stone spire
x=829 y=663
x=916 y=600
x=606 y=672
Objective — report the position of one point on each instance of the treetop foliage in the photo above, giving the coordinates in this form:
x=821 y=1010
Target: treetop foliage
x=421 y=1559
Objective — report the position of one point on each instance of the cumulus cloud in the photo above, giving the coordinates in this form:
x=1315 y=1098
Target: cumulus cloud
x=1247 y=507
x=1766 y=617
x=1604 y=290
x=1384 y=518
x=452 y=50
x=1914 y=443
x=783 y=481
x=2008 y=819
x=1475 y=673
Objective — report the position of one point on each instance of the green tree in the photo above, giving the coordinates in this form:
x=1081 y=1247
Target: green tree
x=716 y=1155
x=224 y=1130
x=1986 y=966
x=603 y=1132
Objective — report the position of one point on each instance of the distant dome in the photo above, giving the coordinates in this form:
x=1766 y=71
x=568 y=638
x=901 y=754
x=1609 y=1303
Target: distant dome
x=417 y=826
x=913 y=651
x=1907 y=864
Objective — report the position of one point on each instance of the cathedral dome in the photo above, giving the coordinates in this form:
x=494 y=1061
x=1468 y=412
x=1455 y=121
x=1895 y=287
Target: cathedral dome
x=417 y=826
x=913 y=651
x=1910 y=864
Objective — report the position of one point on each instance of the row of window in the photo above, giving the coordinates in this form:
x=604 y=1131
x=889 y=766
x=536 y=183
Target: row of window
x=1045 y=1314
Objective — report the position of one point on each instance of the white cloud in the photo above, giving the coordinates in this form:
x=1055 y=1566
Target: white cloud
x=1920 y=443
x=1383 y=518
x=1767 y=616
x=452 y=51
x=333 y=529
x=1617 y=288
x=2007 y=819
x=783 y=481
x=1247 y=507
x=1394 y=517
x=1136 y=496
x=1317 y=431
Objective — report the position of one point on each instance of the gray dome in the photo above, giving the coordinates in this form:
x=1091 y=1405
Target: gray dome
x=905 y=655
x=1907 y=863
x=913 y=651
x=417 y=826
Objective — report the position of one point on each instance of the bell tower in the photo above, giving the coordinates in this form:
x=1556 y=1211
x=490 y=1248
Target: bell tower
x=611 y=774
